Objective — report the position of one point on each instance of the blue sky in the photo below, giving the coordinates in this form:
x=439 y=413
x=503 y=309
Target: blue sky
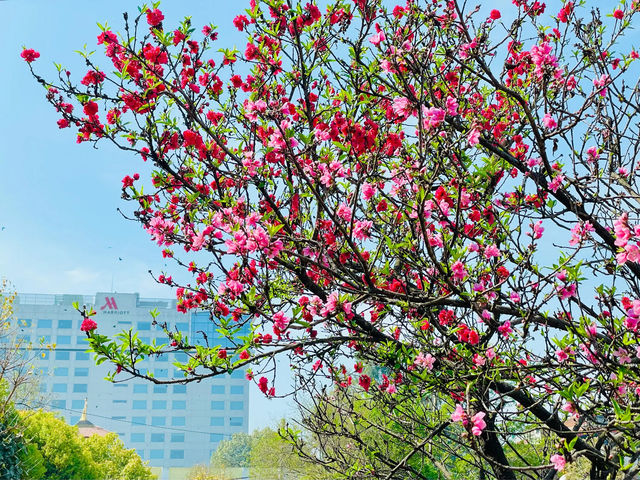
x=60 y=231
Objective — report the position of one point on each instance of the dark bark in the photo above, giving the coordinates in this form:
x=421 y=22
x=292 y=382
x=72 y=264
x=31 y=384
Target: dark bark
x=493 y=451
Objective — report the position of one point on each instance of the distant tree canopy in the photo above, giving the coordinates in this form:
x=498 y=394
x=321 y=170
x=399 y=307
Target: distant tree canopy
x=65 y=455
x=265 y=454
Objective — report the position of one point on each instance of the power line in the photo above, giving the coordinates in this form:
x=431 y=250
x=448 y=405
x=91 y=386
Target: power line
x=159 y=427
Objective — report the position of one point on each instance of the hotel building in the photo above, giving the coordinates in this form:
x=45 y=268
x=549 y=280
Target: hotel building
x=177 y=425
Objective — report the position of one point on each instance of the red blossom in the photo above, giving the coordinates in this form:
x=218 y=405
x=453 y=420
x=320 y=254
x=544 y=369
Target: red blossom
x=29 y=55
x=154 y=17
x=88 y=325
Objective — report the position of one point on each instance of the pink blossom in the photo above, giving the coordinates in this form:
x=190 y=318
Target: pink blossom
x=549 y=122
x=425 y=361
x=515 y=297
x=601 y=84
x=534 y=162
x=567 y=292
x=361 y=229
x=561 y=355
x=459 y=272
x=478 y=360
x=558 y=461
x=478 y=423
x=432 y=117
x=452 y=106
x=537 y=229
x=280 y=321
x=579 y=232
x=378 y=38
x=368 y=191
x=622 y=355
x=505 y=329
x=556 y=183
x=473 y=137
x=543 y=59
x=569 y=407
x=344 y=212
x=459 y=414
x=491 y=251
x=402 y=106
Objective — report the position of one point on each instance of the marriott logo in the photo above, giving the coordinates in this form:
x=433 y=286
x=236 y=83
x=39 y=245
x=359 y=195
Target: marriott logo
x=110 y=303
x=111 y=307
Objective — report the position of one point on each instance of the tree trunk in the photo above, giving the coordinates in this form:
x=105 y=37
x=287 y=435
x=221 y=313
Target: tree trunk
x=494 y=452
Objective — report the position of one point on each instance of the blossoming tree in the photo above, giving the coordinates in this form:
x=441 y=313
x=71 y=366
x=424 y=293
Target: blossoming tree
x=446 y=194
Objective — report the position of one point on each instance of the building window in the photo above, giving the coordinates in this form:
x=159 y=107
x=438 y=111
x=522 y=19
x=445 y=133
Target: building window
x=73 y=420
x=237 y=389
x=140 y=452
x=62 y=355
x=217 y=405
x=162 y=358
x=137 y=437
x=119 y=418
x=65 y=323
x=158 y=421
x=216 y=437
x=119 y=402
x=176 y=454
x=79 y=388
x=81 y=372
x=159 y=389
x=145 y=340
x=139 y=405
x=181 y=357
x=161 y=373
x=139 y=420
x=156 y=454
x=77 y=404
x=144 y=325
x=179 y=405
x=43 y=387
x=42 y=323
x=140 y=389
x=63 y=339
x=179 y=389
x=23 y=338
x=120 y=385
x=157 y=437
x=182 y=327
x=237 y=405
x=159 y=404
x=237 y=374
x=217 y=422
x=178 y=421
x=61 y=404
x=177 y=437
x=59 y=388
x=60 y=371
x=82 y=355
x=44 y=355
x=236 y=421
x=45 y=339
x=217 y=389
